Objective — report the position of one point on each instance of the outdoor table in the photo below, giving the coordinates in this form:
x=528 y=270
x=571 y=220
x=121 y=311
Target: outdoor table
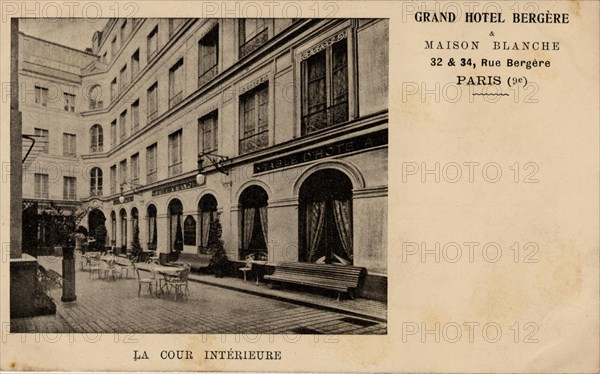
x=167 y=272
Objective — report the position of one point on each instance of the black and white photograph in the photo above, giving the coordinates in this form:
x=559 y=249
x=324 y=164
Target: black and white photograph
x=199 y=176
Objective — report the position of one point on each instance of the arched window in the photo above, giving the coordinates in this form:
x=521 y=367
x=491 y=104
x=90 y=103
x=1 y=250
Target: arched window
x=134 y=220
x=95 y=97
x=175 y=225
x=254 y=201
x=207 y=212
x=123 y=216
x=96 y=139
x=152 y=234
x=96 y=182
x=113 y=228
x=325 y=217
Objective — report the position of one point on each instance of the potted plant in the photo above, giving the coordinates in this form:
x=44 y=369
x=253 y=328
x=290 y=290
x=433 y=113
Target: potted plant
x=218 y=262
x=100 y=236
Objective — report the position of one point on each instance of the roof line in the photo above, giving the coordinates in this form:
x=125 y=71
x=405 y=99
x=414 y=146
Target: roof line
x=59 y=45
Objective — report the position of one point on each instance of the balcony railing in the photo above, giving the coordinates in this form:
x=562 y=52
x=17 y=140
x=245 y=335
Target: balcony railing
x=96 y=191
x=208 y=75
x=325 y=118
x=254 y=142
x=258 y=40
x=151 y=177
x=175 y=99
x=153 y=115
x=174 y=169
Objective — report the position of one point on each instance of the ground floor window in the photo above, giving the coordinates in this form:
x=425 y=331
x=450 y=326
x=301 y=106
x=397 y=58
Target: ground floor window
x=207 y=212
x=325 y=229
x=123 y=216
x=113 y=228
x=254 y=203
x=175 y=225
x=152 y=232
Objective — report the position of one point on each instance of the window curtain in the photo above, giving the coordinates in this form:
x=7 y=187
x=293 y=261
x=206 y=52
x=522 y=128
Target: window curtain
x=248 y=216
x=315 y=219
x=342 y=212
x=152 y=227
x=206 y=220
x=264 y=224
x=178 y=244
x=154 y=233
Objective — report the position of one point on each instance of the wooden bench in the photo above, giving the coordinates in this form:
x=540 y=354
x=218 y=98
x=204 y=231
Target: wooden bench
x=342 y=279
x=194 y=260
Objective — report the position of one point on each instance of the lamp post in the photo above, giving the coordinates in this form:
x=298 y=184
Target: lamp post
x=217 y=161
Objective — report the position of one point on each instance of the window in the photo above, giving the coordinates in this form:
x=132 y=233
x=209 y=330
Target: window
x=175 y=153
x=123 y=78
x=41 y=95
x=122 y=172
x=152 y=43
x=135 y=169
x=69 y=145
x=42 y=138
x=123 y=31
x=176 y=83
x=253 y=34
x=135 y=116
x=122 y=126
x=325 y=88
x=208 y=52
x=174 y=24
x=96 y=139
x=96 y=182
x=113 y=48
x=113 y=179
x=69 y=188
x=104 y=59
x=113 y=89
x=95 y=94
x=207 y=132
x=135 y=63
x=152 y=102
x=41 y=185
x=254 y=203
x=69 y=102
x=151 y=163
x=113 y=133
x=254 y=110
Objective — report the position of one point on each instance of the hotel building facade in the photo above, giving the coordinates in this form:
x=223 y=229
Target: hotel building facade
x=278 y=127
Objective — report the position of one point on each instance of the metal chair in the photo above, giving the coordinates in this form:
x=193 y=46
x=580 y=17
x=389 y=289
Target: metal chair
x=95 y=266
x=248 y=266
x=180 y=284
x=142 y=281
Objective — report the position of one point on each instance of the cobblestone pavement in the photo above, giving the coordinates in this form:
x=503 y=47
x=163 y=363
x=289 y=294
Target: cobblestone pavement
x=114 y=307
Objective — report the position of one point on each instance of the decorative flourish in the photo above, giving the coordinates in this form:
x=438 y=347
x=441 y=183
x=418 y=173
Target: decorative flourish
x=490 y=94
x=255 y=83
x=321 y=46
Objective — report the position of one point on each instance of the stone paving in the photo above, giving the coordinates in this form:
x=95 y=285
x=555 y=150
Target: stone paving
x=114 y=307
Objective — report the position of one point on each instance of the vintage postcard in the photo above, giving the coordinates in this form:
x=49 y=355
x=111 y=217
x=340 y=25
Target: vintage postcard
x=365 y=186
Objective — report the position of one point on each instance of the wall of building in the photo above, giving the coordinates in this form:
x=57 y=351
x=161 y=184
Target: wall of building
x=279 y=65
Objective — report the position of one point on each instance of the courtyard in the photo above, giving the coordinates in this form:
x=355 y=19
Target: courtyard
x=214 y=306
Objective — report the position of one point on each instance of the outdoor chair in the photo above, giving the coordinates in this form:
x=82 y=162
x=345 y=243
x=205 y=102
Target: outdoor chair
x=111 y=270
x=94 y=265
x=248 y=266
x=142 y=281
x=126 y=265
x=180 y=284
